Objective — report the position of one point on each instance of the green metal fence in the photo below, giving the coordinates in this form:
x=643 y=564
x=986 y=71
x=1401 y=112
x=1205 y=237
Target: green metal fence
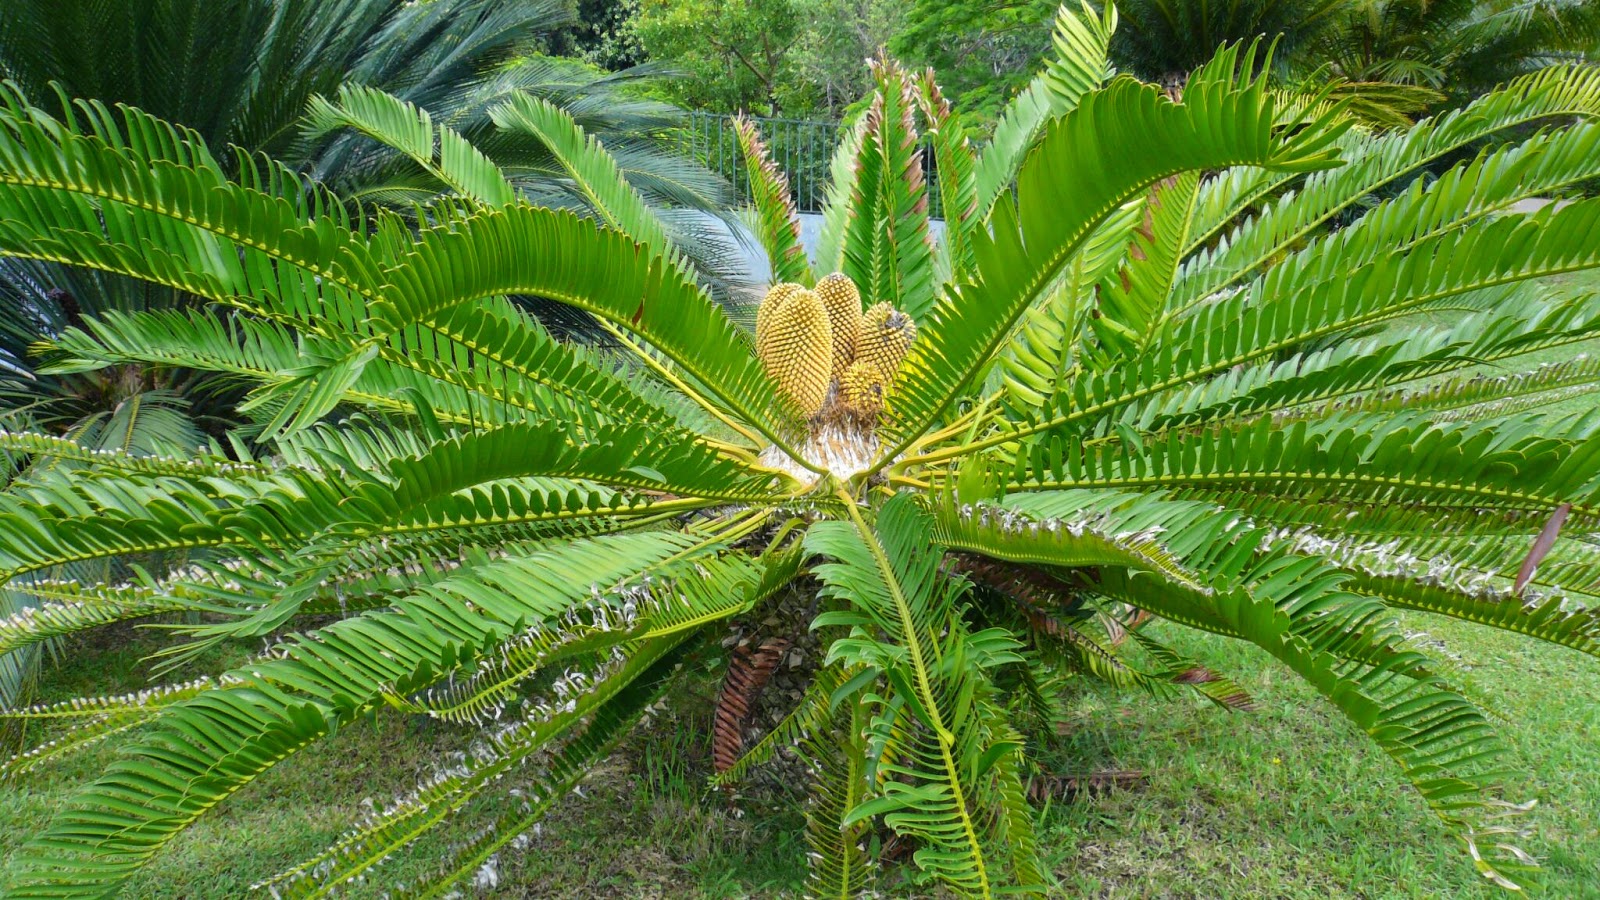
x=801 y=148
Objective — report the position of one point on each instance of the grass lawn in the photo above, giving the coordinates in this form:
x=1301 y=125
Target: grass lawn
x=1284 y=802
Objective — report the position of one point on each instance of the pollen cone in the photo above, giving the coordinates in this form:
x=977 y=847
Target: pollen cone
x=886 y=336
x=861 y=389
x=843 y=303
x=775 y=298
x=795 y=343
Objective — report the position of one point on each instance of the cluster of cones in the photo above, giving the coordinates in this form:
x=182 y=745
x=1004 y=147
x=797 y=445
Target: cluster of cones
x=825 y=352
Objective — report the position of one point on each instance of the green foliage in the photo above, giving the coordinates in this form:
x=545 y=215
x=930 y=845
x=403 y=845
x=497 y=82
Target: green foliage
x=735 y=51
x=984 y=52
x=1176 y=373
x=1458 y=47
x=1164 y=40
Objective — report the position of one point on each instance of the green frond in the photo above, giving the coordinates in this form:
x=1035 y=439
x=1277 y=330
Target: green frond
x=171 y=519
x=838 y=209
x=594 y=694
x=67 y=607
x=1505 y=464
x=94 y=719
x=1359 y=374
x=147 y=701
x=1543 y=164
x=1374 y=163
x=525 y=250
x=1132 y=299
x=32 y=444
x=837 y=866
x=500 y=345
x=485 y=361
x=1070 y=185
x=131 y=207
x=1227 y=195
x=1218 y=549
x=1088 y=536
x=1479 y=397
x=950 y=789
x=310 y=686
x=1045 y=348
x=674 y=600
x=887 y=248
x=92 y=730
x=1179 y=669
x=1218 y=361
x=621 y=455
x=1310 y=299
x=397 y=123
x=956 y=164
x=1080 y=64
x=1473 y=584
x=593 y=172
x=609 y=724
x=778 y=224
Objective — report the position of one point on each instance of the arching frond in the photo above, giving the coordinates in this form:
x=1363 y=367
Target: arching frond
x=440 y=150
x=1069 y=186
x=1380 y=161
x=951 y=792
x=310 y=687
x=1080 y=64
x=593 y=172
x=1395 y=459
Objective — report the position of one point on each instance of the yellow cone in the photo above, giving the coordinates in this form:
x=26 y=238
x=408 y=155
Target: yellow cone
x=861 y=388
x=886 y=336
x=795 y=343
x=843 y=303
x=776 y=295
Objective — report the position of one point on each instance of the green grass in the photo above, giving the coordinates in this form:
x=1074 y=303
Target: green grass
x=1288 y=801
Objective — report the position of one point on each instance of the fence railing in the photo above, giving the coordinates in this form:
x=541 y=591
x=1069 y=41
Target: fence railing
x=802 y=148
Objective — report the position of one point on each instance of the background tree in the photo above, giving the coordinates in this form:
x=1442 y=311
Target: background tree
x=829 y=61
x=602 y=33
x=734 y=54
x=1163 y=40
x=984 y=52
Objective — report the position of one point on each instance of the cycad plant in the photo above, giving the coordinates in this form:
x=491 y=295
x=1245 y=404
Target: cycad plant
x=1138 y=375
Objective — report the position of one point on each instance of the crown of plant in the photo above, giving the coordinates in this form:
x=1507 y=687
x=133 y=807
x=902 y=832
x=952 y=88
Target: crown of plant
x=1159 y=360
x=853 y=359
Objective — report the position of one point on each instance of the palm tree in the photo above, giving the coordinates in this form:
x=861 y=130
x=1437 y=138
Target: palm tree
x=1163 y=40
x=986 y=459
x=242 y=73
x=1457 y=46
